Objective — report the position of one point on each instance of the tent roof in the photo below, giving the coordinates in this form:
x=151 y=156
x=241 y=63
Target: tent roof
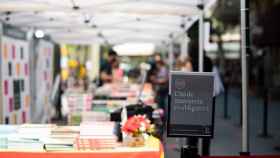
x=114 y=21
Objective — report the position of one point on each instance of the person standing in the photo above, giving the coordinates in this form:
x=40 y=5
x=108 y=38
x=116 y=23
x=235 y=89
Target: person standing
x=106 y=74
x=161 y=83
x=117 y=72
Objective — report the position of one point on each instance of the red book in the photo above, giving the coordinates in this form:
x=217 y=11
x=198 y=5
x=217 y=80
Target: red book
x=95 y=143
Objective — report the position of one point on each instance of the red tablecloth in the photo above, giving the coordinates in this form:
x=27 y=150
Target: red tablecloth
x=253 y=156
x=79 y=155
x=98 y=154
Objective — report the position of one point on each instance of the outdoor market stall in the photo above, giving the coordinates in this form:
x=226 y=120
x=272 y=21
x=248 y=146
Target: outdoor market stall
x=114 y=22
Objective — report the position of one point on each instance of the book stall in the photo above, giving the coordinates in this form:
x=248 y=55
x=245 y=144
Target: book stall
x=95 y=139
x=98 y=125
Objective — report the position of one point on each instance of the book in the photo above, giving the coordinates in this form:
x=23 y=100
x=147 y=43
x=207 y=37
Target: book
x=95 y=143
x=35 y=131
x=17 y=142
x=97 y=128
x=58 y=147
x=5 y=132
x=65 y=130
x=96 y=135
x=61 y=138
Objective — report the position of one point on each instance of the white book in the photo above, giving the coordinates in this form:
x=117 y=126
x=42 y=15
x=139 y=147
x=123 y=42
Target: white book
x=53 y=141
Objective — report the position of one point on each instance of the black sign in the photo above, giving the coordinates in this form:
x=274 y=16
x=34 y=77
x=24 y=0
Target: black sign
x=190 y=109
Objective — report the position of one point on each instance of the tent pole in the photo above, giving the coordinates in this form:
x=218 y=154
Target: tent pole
x=245 y=48
x=201 y=39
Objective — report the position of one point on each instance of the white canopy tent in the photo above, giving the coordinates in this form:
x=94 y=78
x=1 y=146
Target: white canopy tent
x=118 y=21
x=113 y=21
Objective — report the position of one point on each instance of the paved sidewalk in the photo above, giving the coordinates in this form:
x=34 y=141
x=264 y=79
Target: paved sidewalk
x=227 y=139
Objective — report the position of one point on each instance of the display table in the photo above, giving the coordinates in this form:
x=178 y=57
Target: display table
x=152 y=149
x=80 y=155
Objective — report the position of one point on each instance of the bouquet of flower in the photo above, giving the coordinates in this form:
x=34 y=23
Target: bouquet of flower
x=138 y=125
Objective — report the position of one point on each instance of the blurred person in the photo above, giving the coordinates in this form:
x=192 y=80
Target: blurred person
x=218 y=83
x=160 y=81
x=158 y=77
x=157 y=57
x=187 y=65
x=153 y=71
x=107 y=68
x=117 y=72
x=178 y=64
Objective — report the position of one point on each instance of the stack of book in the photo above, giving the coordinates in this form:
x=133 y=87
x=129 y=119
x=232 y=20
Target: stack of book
x=5 y=132
x=16 y=142
x=28 y=137
x=61 y=138
x=35 y=131
x=96 y=135
x=39 y=137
